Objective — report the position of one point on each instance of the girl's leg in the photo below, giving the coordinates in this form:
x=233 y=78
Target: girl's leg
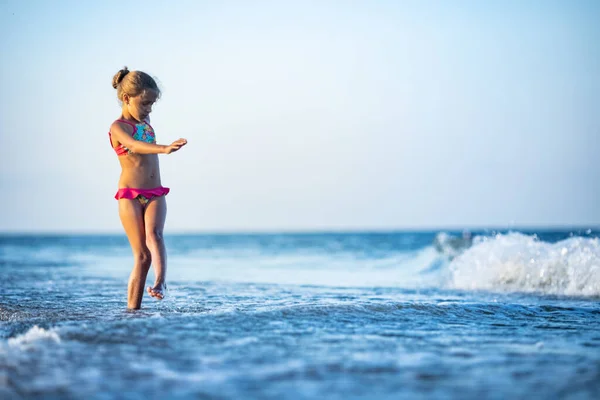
x=154 y=217
x=132 y=218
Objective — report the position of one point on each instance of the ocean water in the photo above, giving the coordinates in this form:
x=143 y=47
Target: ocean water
x=415 y=315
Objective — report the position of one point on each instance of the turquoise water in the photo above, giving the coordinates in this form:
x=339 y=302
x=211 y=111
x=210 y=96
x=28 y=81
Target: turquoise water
x=299 y=316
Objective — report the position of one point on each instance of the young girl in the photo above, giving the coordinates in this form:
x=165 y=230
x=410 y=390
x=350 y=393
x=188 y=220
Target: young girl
x=141 y=196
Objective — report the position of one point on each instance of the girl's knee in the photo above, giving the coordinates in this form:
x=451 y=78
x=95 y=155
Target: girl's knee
x=143 y=257
x=154 y=237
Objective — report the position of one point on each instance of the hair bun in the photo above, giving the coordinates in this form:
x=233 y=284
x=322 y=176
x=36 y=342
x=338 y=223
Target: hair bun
x=119 y=77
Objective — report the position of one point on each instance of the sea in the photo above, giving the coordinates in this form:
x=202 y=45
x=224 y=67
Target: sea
x=511 y=314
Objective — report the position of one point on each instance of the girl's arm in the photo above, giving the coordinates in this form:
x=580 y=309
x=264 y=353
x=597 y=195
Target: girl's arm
x=139 y=147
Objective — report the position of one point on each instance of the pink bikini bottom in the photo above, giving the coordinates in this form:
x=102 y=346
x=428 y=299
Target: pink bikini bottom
x=142 y=195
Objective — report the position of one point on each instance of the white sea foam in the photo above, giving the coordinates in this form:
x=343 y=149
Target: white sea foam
x=512 y=262
x=395 y=270
x=516 y=262
x=34 y=336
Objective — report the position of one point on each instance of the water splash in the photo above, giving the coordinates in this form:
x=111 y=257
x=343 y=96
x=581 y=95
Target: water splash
x=516 y=262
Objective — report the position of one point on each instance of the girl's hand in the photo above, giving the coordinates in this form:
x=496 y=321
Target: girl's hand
x=176 y=145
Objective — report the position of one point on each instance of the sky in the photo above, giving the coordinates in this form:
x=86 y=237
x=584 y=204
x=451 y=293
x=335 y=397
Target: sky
x=307 y=115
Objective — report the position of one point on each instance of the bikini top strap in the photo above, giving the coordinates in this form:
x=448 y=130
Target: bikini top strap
x=127 y=122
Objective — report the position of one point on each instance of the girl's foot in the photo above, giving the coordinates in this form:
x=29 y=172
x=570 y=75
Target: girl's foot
x=158 y=291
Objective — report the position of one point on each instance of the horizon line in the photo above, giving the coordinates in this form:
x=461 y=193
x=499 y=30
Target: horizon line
x=363 y=230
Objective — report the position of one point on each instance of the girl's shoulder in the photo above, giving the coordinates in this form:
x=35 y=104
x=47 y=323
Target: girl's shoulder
x=124 y=123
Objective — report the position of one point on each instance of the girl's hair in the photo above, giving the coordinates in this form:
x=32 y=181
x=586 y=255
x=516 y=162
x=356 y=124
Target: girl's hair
x=133 y=83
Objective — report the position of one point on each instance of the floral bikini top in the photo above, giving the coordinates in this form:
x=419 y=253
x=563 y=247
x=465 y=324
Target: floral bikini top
x=142 y=131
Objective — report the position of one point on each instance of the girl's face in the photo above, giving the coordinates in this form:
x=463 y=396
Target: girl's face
x=140 y=106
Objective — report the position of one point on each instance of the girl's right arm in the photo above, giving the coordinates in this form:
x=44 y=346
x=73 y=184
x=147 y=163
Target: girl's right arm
x=136 y=146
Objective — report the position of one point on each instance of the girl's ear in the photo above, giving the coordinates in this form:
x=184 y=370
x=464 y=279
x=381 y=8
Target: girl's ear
x=125 y=98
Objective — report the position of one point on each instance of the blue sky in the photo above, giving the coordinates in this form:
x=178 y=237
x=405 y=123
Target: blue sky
x=308 y=115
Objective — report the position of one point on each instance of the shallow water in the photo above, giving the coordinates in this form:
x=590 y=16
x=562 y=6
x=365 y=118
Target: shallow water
x=304 y=316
